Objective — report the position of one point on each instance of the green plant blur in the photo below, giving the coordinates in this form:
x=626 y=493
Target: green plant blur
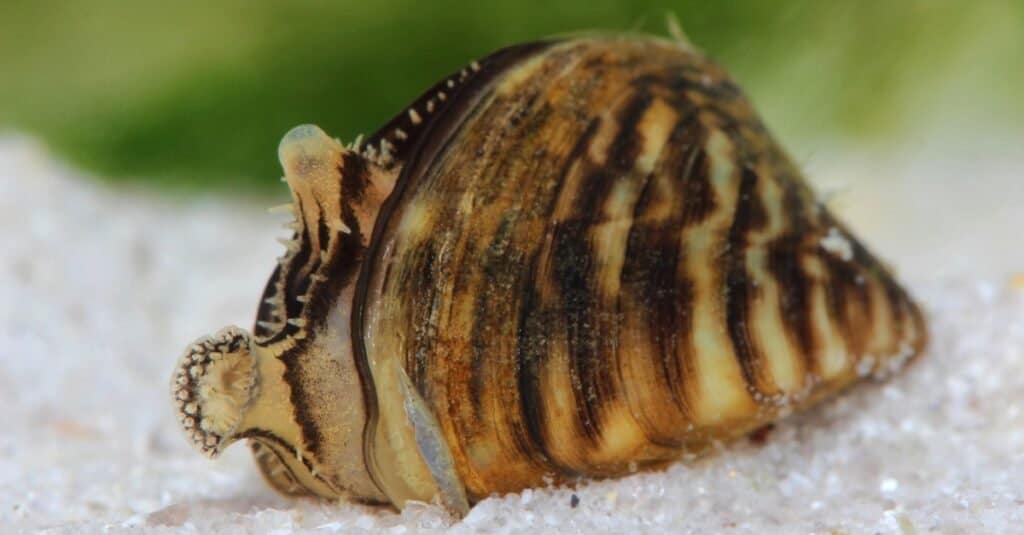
x=195 y=94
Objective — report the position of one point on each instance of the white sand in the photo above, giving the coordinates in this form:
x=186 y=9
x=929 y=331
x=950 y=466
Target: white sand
x=101 y=289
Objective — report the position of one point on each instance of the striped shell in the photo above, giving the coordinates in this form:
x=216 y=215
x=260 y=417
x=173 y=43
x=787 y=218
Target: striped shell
x=575 y=258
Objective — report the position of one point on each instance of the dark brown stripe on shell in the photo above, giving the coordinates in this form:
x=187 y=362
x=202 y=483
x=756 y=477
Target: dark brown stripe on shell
x=738 y=290
x=498 y=272
x=531 y=334
x=651 y=264
x=532 y=348
x=896 y=299
x=573 y=267
x=784 y=263
x=503 y=257
x=429 y=272
x=848 y=300
x=572 y=262
x=698 y=194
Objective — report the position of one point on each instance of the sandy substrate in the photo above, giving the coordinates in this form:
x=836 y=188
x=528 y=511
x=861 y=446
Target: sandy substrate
x=101 y=289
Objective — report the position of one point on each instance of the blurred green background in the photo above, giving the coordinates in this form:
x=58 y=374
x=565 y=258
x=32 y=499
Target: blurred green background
x=196 y=94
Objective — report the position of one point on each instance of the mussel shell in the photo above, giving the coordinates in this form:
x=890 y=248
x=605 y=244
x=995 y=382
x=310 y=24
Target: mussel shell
x=597 y=259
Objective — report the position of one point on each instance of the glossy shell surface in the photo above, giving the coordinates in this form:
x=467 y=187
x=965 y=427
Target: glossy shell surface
x=575 y=258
